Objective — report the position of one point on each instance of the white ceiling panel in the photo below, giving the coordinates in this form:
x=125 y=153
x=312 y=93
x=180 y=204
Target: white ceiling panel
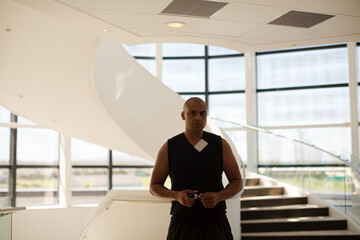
x=275 y=33
x=80 y=3
x=341 y=7
x=153 y=6
x=249 y=13
x=341 y=25
x=274 y=3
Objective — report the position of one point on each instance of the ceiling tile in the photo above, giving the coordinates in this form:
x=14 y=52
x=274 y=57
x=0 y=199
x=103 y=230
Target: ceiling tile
x=81 y=3
x=340 y=24
x=274 y=32
x=249 y=13
x=273 y=3
x=144 y=6
x=312 y=34
x=341 y=7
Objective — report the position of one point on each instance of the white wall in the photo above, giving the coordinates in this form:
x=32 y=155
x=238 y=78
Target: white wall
x=54 y=224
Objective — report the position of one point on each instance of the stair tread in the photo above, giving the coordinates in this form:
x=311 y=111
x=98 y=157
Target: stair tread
x=271 y=197
x=262 y=187
x=298 y=219
x=284 y=207
x=304 y=233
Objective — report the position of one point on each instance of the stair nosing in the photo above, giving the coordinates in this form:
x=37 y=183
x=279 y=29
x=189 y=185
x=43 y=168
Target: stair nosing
x=292 y=220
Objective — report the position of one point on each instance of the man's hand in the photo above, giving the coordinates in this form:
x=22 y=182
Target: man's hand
x=209 y=199
x=183 y=198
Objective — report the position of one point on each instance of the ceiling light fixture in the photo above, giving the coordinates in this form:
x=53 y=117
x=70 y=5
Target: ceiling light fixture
x=104 y=30
x=175 y=24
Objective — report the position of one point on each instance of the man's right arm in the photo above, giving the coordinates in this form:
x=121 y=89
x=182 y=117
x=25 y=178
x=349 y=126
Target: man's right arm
x=158 y=178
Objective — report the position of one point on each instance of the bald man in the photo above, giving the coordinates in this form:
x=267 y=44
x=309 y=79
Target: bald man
x=195 y=161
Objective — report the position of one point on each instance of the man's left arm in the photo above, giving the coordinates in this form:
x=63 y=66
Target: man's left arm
x=233 y=175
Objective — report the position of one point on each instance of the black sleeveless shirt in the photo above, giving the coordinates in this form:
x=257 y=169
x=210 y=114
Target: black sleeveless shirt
x=194 y=170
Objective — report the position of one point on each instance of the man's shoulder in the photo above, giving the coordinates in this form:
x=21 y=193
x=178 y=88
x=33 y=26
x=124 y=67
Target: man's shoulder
x=176 y=137
x=211 y=135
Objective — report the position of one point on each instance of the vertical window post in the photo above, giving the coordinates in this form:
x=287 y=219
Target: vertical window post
x=251 y=111
x=110 y=174
x=12 y=175
x=65 y=171
x=207 y=76
x=353 y=87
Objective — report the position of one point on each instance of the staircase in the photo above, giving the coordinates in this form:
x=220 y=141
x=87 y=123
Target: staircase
x=267 y=212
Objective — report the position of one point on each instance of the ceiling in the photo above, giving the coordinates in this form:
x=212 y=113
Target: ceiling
x=242 y=25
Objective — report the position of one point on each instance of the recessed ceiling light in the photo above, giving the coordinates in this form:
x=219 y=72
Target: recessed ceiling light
x=175 y=24
x=104 y=30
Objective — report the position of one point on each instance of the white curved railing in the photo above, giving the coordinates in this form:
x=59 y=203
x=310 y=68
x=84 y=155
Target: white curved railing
x=323 y=171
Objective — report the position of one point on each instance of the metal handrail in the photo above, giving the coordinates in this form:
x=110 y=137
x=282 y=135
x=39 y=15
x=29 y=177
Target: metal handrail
x=336 y=155
x=5 y=211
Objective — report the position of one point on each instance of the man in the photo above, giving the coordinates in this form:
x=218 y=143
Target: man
x=195 y=161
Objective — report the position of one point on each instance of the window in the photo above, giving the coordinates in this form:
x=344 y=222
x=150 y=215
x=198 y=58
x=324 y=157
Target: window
x=37 y=146
x=301 y=107
x=227 y=74
x=299 y=88
x=90 y=173
x=182 y=50
x=302 y=68
x=184 y=75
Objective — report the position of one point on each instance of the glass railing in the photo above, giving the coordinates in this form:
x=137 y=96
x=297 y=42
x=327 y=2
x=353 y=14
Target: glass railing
x=5 y=219
x=322 y=171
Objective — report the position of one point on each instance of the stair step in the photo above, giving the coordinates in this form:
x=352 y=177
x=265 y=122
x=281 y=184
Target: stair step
x=252 y=191
x=293 y=224
x=275 y=200
x=291 y=211
x=252 y=181
x=298 y=235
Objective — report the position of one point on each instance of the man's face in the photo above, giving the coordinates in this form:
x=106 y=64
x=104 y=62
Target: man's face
x=195 y=116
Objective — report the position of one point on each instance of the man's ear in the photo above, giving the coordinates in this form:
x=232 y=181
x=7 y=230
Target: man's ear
x=183 y=115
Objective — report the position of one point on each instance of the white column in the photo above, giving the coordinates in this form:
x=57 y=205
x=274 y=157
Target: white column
x=158 y=60
x=251 y=111
x=353 y=86
x=65 y=171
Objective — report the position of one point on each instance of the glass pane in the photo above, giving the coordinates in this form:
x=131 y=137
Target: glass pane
x=239 y=139
x=141 y=50
x=4 y=115
x=275 y=150
x=37 y=186
x=303 y=68
x=213 y=50
x=5 y=220
x=37 y=146
x=131 y=177
x=5 y=145
x=184 y=75
x=339 y=137
x=300 y=107
x=352 y=196
x=229 y=107
x=22 y=120
x=85 y=153
x=89 y=185
x=186 y=97
x=120 y=158
x=4 y=182
x=182 y=49
x=227 y=74
x=149 y=65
